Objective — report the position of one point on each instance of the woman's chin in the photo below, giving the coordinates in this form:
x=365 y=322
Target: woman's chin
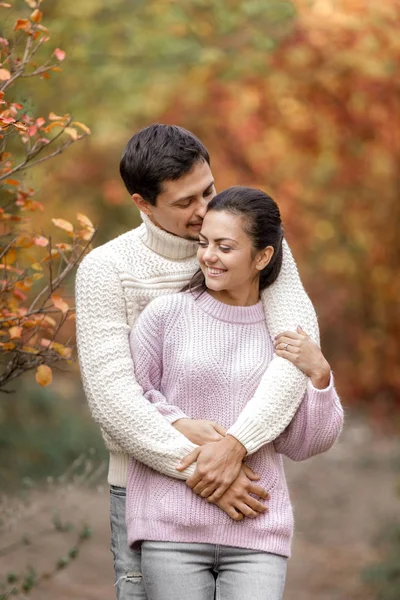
x=213 y=285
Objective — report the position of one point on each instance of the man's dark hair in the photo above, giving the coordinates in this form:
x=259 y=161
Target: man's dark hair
x=156 y=154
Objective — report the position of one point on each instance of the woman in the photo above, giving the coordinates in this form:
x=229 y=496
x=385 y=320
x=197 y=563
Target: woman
x=200 y=354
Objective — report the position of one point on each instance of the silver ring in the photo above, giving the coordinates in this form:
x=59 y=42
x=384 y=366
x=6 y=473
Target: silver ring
x=285 y=347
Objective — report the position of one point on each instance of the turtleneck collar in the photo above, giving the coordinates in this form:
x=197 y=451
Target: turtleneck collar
x=227 y=312
x=164 y=243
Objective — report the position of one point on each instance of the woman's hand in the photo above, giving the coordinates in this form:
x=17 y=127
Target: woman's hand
x=218 y=465
x=239 y=500
x=303 y=352
x=200 y=431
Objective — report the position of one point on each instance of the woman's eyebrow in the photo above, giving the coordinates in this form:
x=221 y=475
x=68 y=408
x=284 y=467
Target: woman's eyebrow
x=219 y=239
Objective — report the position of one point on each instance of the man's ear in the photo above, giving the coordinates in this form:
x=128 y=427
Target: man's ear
x=142 y=204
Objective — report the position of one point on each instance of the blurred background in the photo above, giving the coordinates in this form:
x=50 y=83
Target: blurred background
x=299 y=98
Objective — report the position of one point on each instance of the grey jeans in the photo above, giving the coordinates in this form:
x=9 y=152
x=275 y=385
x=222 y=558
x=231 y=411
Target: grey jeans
x=128 y=574
x=178 y=571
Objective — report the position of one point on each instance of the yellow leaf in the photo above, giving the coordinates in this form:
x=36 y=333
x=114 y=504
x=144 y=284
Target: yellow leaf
x=44 y=375
x=8 y=346
x=63 y=224
x=54 y=117
x=5 y=5
x=5 y=75
x=37 y=276
x=37 y=266
x=61 y=350
x=82 y=126
x=36 y=16
x=30 y=350
x=84 y=220
x=60 y=303
x=31 y=3
x=10 y=257
x=15 y=332
x=72 y=133
x=50 y=321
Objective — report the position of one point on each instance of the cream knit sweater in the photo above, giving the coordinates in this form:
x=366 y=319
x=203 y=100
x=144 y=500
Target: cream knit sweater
x=113 y=285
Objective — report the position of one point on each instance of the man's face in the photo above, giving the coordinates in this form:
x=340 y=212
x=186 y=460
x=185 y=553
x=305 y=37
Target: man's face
x=182 y=204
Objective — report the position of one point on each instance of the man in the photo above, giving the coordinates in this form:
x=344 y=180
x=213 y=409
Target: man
x=166 y=170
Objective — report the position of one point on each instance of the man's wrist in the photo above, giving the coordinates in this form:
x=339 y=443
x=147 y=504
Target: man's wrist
x=235 y=445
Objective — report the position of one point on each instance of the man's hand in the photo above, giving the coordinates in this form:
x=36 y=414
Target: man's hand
x=218 y=465
x=237 y=501
x=200 y=431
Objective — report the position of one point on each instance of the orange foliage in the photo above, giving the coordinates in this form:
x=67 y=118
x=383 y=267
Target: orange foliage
x=32 y=266
x=321 y=132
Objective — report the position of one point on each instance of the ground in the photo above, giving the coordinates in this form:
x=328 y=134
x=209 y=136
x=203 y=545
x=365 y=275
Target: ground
x=342 y=501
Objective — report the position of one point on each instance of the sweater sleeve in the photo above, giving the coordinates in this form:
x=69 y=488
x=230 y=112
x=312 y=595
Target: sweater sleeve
x=146 y=342
x=283 y=385
x=316 y=425
x=115 y=398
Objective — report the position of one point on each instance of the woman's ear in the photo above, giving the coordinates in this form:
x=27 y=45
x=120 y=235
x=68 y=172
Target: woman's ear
x=142 y=204
x=264 y=257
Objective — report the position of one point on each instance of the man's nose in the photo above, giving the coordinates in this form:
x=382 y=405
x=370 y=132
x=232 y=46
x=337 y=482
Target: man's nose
x=201 y=207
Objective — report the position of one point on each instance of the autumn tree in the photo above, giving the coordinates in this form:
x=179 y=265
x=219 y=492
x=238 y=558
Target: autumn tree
x=34 y=265
x=320 y=130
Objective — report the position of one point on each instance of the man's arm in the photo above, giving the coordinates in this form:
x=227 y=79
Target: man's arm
x=115 y=398
x=283 y=385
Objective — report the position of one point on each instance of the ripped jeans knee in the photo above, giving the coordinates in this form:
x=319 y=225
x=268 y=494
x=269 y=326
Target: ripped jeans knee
x=127 y=562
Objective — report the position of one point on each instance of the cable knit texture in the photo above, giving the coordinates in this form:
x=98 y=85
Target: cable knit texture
x=204 y=359
x=114 y=283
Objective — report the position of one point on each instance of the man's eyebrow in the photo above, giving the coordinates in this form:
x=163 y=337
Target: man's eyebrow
x=192 y=196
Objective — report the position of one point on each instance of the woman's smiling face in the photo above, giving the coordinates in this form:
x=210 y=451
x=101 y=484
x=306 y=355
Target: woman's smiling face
x=227 y=258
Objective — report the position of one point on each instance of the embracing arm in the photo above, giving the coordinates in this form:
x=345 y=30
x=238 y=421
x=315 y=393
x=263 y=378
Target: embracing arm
x=283 y=385
x=115 y=398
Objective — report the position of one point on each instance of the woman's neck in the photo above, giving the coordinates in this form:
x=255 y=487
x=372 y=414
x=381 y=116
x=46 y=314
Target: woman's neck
x=246 y=297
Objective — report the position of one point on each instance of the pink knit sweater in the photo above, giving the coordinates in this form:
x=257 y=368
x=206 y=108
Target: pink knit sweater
x=204 y=359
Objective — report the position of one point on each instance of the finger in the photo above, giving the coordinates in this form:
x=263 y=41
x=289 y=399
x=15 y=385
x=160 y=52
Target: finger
x=188 y=460
x=246 y=510
x=293 y=335
x=256 y=505
x=207 y=491
x=219 y=492
x=299 y=329
x=200 y=487
x=219 y=429
x=293 y=343
x=259 y=491
x=287 y=355
x=248 y=471
x=233 y=513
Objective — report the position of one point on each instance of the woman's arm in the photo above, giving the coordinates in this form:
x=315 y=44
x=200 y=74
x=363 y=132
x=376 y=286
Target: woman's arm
x=316 y=425
x=319 y=419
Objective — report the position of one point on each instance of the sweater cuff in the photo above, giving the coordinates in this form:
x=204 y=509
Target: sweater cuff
x=174 y=414
x=248 y=434
x=318 y=391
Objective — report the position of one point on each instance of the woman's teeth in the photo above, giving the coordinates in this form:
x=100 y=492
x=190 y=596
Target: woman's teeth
x=215 y=272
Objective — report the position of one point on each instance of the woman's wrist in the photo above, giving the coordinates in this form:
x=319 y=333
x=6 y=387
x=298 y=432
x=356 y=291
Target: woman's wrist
x=320 y=377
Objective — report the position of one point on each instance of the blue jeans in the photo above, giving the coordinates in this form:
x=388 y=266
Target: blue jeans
x=128 y=572
x=178 y=571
